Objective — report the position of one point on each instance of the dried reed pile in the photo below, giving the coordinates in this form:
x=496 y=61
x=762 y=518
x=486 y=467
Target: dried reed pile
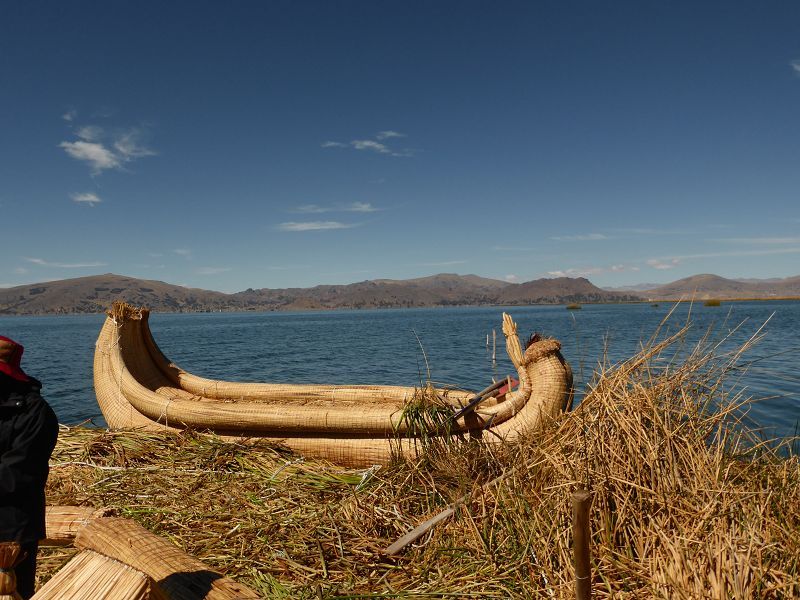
x=686 y=504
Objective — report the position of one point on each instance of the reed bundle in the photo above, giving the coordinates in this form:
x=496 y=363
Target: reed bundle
x=686 y=502
x=181 y=577
x=89 y=576
x=9 y=557
x=63 y=522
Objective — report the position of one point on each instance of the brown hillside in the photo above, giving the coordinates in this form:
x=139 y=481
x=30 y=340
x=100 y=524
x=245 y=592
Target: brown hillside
x=702 y=287
x=558 y=290
x=97 y=292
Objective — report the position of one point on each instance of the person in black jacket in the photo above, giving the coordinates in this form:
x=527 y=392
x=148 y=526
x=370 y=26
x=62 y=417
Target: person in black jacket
x=28 y=432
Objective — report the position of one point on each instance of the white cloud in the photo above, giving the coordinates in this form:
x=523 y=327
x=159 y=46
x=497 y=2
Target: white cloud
x=70 y=115
x=370 y=145
x=762 y=240
x=385 y=135
x=20 y=270
x=363 y=207
x=663 y=265
x=795 y=64
x=580 y=238
x=98 y=156
x=651 y=231
x=360 y=207
x=212 y=270
x=104 y=151
x=90 y=133
x=511 y=278
x=584 y=272
x=443 y=263
x=89 y=198
x=184 y=252
x=314 y=225
x=44 y=263
x=587 y=271
x=312 y=208
x=129 y=147
x=375 y=145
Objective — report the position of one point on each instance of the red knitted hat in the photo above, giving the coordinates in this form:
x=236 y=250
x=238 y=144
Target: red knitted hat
x=10 y=358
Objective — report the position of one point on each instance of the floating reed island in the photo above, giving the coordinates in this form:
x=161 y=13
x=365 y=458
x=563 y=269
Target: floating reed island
x=686 y=502
x=137 y=387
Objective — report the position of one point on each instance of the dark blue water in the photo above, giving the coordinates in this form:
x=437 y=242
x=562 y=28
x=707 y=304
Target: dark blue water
x=386 y=347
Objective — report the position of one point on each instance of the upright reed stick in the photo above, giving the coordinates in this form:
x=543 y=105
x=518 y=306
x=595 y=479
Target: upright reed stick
x=581 y=501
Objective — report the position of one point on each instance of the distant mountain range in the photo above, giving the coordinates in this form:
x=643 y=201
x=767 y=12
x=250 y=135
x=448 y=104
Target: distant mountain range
x=703 y=287
x=96 y=293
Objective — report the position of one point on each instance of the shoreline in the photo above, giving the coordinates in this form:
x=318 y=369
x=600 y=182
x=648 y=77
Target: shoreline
x=421 y=307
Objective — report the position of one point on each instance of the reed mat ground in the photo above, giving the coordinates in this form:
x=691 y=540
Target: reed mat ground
x=686 y=502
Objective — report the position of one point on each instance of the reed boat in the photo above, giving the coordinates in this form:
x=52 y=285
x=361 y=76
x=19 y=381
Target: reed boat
x=355 y=425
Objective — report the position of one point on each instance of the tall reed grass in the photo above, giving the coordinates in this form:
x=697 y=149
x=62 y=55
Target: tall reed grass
x=687 y=502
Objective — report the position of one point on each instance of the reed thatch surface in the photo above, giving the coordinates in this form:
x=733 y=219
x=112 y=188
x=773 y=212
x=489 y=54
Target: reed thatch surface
x=92 y=576
x=682 y=507
x=178 y=575
x=63 y=522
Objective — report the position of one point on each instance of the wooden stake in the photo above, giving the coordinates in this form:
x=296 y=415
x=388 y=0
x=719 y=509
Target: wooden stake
x=581 y=537
x=419 y=531
x=425 y=527
x=494 y=345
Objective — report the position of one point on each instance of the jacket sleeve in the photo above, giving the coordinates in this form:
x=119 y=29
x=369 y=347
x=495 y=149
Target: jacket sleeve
x=25 y=462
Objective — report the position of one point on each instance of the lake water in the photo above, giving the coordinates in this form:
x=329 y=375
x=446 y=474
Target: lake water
x=385 y=347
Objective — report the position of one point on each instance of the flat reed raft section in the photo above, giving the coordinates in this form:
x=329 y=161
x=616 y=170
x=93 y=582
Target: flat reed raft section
x=685 y=502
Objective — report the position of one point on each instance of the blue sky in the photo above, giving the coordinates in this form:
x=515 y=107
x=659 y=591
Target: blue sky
x=279 y=144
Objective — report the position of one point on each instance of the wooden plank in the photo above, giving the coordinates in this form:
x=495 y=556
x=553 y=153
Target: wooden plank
x=420 y=530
